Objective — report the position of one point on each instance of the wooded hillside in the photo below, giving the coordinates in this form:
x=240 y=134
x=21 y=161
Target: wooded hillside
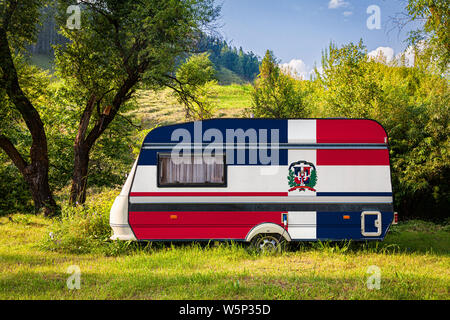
x=233 y=65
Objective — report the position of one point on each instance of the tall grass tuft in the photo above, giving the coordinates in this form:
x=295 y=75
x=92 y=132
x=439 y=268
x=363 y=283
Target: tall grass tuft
x=85 y=228
x=332 y=247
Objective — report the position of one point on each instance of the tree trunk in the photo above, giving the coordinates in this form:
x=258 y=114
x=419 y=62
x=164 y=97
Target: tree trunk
x=35 y=172
x=80 y=174
x=35 y=175
x=40 y=190
x=84 y=141
x=81 y=156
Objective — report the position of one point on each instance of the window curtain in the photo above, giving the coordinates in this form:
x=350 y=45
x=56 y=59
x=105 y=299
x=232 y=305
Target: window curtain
x=190 y=173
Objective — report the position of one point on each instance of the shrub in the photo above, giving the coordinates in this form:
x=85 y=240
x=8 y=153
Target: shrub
x=85 y=229
x=15 y=195
x=276 y=94
x=196 y=83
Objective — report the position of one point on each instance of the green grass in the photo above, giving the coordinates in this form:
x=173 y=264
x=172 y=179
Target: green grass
x=414 y=259
x=158 y=108
x=232 y=100
x=226 y=77
x=414 y=262
x=43 y=61
x=161 y=107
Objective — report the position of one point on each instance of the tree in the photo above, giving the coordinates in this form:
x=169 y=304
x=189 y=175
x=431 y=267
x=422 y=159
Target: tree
x=351 y=89
x=18 y=20
x=120 y=46
x=276 y=94
x=434 y=34
x=412 y=105
x=196 y=77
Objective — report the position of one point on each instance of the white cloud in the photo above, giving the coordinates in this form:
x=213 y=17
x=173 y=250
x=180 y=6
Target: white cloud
x=347 y=13
x=406 y=57
x=386 y=54
x=296 y=68
x=334 y=4
x=382 y=54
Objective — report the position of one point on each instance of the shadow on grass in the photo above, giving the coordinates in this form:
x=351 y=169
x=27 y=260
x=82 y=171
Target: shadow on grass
x=42 y=260
x=406 y=242
x=408 y=237
x=217 y=285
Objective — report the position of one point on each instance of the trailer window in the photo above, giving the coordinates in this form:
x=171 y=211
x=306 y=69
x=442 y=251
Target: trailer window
x=197 y=171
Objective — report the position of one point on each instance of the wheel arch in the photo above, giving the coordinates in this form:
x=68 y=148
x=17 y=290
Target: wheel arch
x=267 y=227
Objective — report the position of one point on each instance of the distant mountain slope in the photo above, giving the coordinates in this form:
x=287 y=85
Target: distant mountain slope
x=232 y=65
x=226 y=77
x=243 y=64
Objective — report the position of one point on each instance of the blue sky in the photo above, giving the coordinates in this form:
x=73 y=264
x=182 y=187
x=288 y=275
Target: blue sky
x=299 y=30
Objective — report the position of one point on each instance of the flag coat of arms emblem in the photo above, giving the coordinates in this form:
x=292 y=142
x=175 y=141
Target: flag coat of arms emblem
x=302 y=176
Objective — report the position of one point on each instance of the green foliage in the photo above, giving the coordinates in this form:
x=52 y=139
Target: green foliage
x=434 y=34
x=275 y=93
x=197 y=70
x=111 y=154
x=120 y=39
x=84 y=229
x=34 y=83
x=412 y=105
x=15 y=195
x=351 y=89
x=122 y=46
x=21 y=24
x=42 y=61
x=59 y=111
x=14 y=192
x=196 y=86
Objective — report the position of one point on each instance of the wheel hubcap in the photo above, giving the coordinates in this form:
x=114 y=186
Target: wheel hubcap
x=268 y=244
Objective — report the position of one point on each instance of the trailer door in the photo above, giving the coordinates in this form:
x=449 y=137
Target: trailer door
x=371 y=223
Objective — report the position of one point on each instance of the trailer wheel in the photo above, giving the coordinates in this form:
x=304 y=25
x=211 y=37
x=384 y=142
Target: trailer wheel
x=269 y=243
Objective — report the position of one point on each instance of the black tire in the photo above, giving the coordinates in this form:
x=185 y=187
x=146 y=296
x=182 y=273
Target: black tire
x=268 y=243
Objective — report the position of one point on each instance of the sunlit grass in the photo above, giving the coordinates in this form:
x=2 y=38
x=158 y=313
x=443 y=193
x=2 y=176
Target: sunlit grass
x=162 y=108
x=224 y=271
x=232 y=100
x=414 y=258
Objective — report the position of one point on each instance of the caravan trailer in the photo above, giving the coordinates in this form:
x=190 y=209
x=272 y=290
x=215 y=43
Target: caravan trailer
x=260 y=180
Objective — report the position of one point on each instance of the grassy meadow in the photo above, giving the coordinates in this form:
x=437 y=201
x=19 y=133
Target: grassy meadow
x=36 y=252
x=414 y=263
x=162 y=108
